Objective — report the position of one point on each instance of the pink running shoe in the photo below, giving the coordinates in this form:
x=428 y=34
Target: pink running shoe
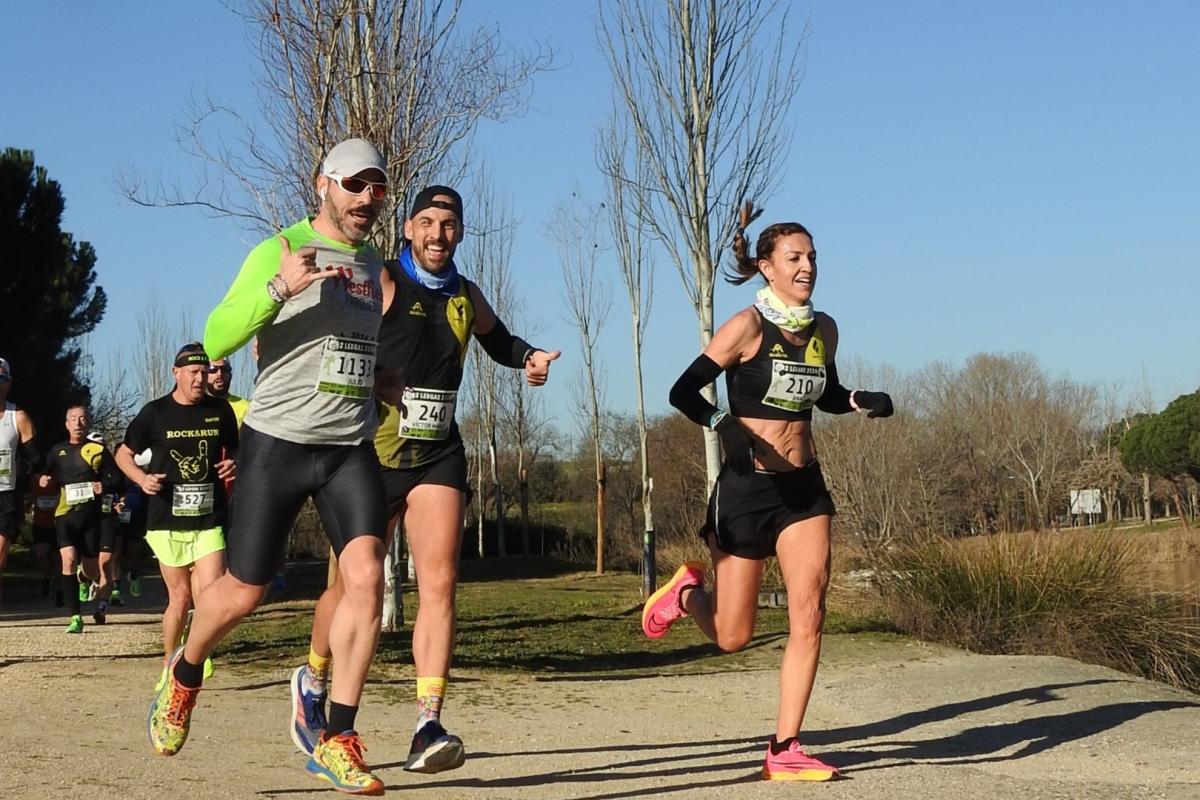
x=793 y=764
x=663 y=607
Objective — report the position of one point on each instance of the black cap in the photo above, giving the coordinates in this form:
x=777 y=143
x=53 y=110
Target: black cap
x=426 y=200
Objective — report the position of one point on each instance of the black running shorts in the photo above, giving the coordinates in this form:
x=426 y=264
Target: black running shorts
x=275 y=477
x=81 y=529
x=748 y=512
x=449 y=470
x=44 y=536
x=10 y=514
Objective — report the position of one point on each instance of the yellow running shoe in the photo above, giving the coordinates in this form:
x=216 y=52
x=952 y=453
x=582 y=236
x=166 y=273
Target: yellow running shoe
x=339 y=760
x=170 y=715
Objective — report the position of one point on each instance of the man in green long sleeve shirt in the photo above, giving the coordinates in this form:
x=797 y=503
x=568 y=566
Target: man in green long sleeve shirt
x=312 y=296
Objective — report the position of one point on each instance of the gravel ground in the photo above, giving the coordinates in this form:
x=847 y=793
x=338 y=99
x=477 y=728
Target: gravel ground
x=903 y=719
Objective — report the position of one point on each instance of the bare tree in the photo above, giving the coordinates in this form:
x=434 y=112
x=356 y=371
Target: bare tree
x=524 y=419
x=627 y=214
x=576 y=231
x=705 y=86
x=153 y=350
x=397 y=72
x=488 y=253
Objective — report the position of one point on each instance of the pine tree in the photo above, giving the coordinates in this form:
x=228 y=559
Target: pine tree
x=48 y=294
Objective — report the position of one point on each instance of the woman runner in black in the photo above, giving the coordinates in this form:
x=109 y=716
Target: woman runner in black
x=769 y=498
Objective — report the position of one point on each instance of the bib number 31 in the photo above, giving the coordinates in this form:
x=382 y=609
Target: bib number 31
x=347 y=368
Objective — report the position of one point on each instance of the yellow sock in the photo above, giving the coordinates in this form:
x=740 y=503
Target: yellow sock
x=318 y=666
x=430 y=693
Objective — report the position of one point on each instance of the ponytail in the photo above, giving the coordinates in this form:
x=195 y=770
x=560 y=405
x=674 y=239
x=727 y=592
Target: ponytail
x=744 y=267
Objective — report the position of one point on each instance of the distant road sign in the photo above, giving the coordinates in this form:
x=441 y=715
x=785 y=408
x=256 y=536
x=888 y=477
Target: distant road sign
x=1085 y=501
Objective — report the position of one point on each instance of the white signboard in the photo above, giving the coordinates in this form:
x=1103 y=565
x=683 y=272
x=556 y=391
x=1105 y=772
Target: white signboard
x=1085 y=501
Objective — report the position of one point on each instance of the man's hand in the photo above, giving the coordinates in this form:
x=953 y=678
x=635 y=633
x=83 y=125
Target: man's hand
x=299 y=269
x=44 y=481
x=537 y=368
x=97 y=487
x=152 y=482
x=389 y=386
x=226 y=469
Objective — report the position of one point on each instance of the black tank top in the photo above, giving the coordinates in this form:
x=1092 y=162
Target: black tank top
x=426 y=334
x=782 y=381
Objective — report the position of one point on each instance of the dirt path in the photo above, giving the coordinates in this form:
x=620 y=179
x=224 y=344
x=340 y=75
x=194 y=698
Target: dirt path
x=903 y=720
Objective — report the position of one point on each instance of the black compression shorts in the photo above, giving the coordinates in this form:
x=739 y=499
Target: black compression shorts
x=748 y=512
x=81 y=530
x=275 y=477
x=449 y=470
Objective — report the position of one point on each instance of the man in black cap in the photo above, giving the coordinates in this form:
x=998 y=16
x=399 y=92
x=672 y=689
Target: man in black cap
x=187 y=441
x=430 y=313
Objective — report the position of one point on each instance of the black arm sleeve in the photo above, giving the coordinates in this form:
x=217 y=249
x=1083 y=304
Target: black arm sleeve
x=504 y=348
x=32 y=456
x=111 y=477
x=685 y=394
x=836 y=398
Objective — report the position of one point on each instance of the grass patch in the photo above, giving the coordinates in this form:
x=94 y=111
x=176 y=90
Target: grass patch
x=1074 y=596
x=574 y=623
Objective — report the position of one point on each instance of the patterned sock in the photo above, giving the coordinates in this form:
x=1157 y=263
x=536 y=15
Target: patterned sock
x=430 y=694
x=316 y=676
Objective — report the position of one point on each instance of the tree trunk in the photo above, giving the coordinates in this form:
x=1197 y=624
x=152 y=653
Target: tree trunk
x=1149 y=513
x=525 y=512
x=600 y=479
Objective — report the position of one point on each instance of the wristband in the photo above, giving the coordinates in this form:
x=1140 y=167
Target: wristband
x=286 y=291
x=853 y=404
x=273 y=290
x=716 y=417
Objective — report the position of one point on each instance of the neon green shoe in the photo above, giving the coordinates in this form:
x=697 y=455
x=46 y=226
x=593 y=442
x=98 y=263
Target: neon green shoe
x=208 y=668
x=135 y=587
x=76 y=625
x=162 y=679
x=170 y=716
x=339 y=760
x=85 y=589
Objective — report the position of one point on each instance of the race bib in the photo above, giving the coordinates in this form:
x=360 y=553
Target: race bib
x=5 y=463
x=191 y=499
x=347 y=368
x=427 y=413
x=45 y=503
x=78 y=493
x=794 y=387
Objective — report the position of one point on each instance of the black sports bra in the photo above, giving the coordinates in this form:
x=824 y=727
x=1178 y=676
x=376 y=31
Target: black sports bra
x=782 y=381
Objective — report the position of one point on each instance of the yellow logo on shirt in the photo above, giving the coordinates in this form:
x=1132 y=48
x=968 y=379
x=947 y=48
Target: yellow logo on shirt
x=777 y=351
x=417 y=310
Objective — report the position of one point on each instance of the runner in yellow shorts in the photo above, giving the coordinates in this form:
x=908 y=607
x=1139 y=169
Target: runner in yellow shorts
x=179 y=450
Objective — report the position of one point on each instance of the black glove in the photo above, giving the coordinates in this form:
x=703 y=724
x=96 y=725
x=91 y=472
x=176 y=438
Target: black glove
x=737 y=444
x=876 y=404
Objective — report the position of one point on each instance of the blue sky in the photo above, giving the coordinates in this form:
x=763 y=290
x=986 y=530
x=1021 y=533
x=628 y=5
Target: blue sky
x=978 y=177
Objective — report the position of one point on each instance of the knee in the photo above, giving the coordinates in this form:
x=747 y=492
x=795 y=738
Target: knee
x=806 y=615
x=361 y=575
x=242 y=598
x=733 y=640
x=179 y=599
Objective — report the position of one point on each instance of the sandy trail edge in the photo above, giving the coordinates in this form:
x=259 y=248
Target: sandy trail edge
x=901 y=718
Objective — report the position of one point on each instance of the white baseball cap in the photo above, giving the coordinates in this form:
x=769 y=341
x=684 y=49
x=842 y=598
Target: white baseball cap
x=352 y=157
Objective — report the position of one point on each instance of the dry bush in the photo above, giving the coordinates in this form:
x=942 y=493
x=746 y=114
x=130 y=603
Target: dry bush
x=1063 y=595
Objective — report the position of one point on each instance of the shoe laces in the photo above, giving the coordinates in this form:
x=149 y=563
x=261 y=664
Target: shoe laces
x=183 y=700
x=351 y=745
